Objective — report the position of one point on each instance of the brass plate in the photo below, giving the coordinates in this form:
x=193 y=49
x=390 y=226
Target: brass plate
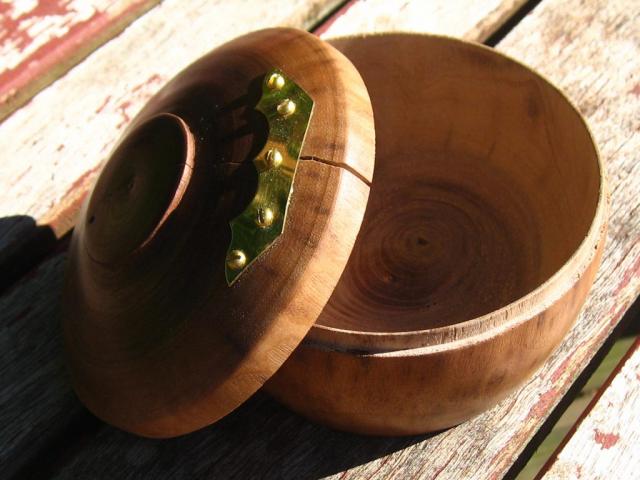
x=288 y=110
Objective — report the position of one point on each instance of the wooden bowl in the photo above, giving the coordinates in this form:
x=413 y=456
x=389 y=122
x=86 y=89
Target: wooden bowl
x=419 y=309
x=157 y=341
x=483 y=232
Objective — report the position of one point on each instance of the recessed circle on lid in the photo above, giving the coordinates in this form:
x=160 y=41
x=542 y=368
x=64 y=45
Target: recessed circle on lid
x=158 y=343
x=141 y=185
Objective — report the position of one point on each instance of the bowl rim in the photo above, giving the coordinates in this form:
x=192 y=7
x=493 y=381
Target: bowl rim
x=432 y=340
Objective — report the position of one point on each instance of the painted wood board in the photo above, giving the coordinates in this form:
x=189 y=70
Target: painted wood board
x=272 y=440
x=606 y=443
x=29 y=310
x=468 y=19
x=35 y=398
x=36 y=403
x=40 y=40
x=75 y=133
x=563 y=39
x=63 y=135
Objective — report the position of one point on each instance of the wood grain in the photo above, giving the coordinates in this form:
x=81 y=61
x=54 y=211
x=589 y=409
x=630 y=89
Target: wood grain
x=76 y=131
x=149 y=53
x=482 y=235
x=263 y=438
x=605 y=443
x=485 y=447
x=33 y=305
x=32 y=308
x=468 y=19
x=157 y=342
x=40 y=41
x=467 y=215
x=36 y=403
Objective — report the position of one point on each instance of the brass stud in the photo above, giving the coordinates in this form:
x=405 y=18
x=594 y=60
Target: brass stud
x=286 y=107
x=273 y=158
x=275 y=82
x=236 y=259
x=265 y=217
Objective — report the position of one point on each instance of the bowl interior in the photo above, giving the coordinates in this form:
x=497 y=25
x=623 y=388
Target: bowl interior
x=486 y=182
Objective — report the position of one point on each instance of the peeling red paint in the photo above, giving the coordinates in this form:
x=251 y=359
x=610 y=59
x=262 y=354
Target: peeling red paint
x=104 y=104
x=607 y=440
x=62 y=218
x=541 y=408
x=382 y=464
x=628 y=275
x=82 y=179
x=155 y=78
x=122 y=110
x=615 y=314
x=441 y=469
x=124 y=106
x=10 y=28
x=52 y=52
x=60 y=49
x=558 y=372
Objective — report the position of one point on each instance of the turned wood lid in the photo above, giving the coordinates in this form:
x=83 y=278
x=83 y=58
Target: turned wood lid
x=161 y=339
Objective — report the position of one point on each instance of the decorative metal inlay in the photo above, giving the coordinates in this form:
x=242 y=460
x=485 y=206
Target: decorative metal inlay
x=287 y=109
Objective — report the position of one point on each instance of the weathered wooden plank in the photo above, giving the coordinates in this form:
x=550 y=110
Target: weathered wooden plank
x=565 y=40
x=35 y=400
x=62 y=136
x=605 y=443
x=29 y=310
x=41 y=40
x=468 y=19
x=75 y=133
x=25 y=245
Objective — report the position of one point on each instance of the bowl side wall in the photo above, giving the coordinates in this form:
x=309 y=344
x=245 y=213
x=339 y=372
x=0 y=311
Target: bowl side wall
x=414 y=392
x=486 y=184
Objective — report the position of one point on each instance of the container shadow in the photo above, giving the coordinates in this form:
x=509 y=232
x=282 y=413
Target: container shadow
x=23 y=244
x=261 y=439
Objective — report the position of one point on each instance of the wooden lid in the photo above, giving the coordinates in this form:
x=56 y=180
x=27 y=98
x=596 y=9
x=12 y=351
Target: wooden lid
x=158 y=343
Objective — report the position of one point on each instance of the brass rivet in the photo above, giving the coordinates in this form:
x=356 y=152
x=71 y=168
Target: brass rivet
x=273 y=158
x=265 y=217
x=286 y=107
x=236 y=259
x=275 y=82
